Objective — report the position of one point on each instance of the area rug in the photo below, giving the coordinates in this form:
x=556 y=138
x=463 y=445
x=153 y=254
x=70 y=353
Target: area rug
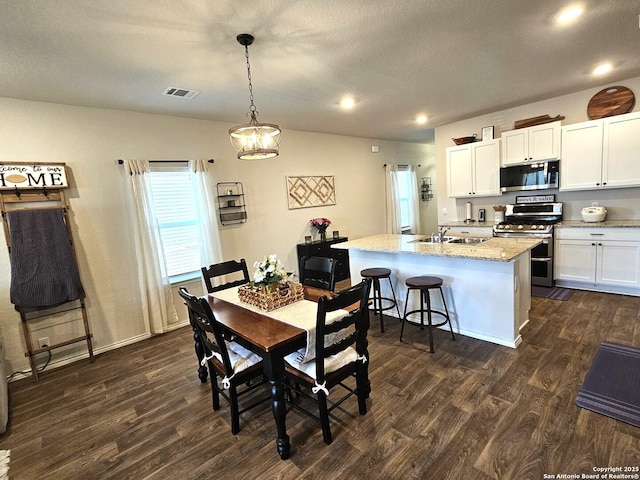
x=4 y=464
x=612 y=384
x=554 y=293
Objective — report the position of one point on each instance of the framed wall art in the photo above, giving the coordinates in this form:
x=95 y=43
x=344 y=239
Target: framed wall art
x=311 y=191
x=487 y=133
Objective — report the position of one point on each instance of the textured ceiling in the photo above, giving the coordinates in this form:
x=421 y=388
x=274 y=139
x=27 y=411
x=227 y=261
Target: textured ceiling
x=450 y=59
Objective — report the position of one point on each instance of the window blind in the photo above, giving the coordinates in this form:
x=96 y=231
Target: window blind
x=175 y=211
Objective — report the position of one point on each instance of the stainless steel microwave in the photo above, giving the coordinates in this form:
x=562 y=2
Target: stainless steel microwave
x=530 y=176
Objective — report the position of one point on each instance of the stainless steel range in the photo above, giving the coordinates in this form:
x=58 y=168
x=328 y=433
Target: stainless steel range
x=534 y=220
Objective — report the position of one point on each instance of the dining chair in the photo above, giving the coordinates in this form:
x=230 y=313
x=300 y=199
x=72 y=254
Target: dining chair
x=225 y=268
x=232 y=367
x=318 y=272
x=343 y=358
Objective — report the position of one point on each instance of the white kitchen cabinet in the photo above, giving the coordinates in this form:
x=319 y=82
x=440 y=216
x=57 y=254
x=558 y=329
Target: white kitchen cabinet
x=620 y=165
x=603 y=259
x=532 y=144
x=601 y=153
x=474 y=169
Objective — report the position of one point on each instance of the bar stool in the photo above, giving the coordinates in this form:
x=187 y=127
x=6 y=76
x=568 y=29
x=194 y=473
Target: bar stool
x=376 y=274
x=424 y=284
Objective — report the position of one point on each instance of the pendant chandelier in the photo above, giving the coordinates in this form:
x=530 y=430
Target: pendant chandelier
x=254 y=140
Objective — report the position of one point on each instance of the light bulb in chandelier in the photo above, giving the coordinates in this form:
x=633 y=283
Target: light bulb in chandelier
x=254 y=140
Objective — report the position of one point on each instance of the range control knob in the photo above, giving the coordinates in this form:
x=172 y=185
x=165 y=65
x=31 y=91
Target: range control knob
x=520 y=227
x=534 y=227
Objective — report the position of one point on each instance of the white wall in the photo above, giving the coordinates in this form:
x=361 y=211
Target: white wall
x=621 y=203
x=90 y=141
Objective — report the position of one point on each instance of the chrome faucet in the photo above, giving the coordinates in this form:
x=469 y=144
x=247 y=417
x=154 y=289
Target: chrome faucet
x=441 y=233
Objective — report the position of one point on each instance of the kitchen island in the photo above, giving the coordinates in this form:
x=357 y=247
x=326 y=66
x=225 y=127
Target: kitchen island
x=487 y=286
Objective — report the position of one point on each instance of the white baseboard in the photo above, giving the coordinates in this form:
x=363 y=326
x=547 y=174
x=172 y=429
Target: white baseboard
x=85 y=355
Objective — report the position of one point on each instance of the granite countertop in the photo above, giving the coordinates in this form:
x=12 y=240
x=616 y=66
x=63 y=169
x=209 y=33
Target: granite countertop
x=605 y=224
x=495 y=249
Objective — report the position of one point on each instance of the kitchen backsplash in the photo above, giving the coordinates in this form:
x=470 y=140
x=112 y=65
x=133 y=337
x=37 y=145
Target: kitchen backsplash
x=621 y=203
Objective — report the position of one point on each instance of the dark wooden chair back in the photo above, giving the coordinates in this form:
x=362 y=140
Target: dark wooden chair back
x=358 y=318
x=243 y=379
x=225 y=268
x=209 y=330
x=318 y=272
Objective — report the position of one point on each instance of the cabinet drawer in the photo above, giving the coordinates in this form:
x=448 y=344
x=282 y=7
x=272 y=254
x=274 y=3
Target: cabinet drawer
x=588 y=233
x=473 y=231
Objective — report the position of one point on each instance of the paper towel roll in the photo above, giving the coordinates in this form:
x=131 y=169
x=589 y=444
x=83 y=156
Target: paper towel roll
x=468 y=216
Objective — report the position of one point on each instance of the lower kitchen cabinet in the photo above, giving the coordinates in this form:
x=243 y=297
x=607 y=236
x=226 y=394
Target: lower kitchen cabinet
x=600 y=259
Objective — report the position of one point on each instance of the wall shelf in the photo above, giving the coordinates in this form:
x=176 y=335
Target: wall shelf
x=231 y=203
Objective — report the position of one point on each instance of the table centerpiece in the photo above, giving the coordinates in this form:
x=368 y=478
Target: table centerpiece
x=270 y=288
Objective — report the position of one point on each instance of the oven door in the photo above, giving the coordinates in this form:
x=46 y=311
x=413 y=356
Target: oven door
x=542 y=263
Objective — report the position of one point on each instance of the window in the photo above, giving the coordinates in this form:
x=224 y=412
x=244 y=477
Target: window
x=175 y=210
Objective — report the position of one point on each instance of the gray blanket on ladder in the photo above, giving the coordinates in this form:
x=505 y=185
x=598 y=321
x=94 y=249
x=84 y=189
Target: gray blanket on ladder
x=43 y=268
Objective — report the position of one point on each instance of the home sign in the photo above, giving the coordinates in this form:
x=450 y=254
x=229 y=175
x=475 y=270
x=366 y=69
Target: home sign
x=32 y=176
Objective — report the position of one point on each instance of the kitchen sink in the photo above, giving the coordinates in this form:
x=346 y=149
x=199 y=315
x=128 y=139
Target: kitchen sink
x=432 y=240
x=447 y=239
x=467 y=240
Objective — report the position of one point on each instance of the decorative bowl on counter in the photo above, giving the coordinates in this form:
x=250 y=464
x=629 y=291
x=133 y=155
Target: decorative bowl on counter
x=463 y=140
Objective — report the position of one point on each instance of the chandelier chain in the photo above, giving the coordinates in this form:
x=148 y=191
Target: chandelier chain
x=252 y=107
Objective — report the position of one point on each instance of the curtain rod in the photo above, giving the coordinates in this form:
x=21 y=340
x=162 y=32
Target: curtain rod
x=211 y=160
x=401 y=165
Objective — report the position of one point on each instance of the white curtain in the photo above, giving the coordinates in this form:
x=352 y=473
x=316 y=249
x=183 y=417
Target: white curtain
x=392 y=189
x=414 y=201
x=155 y=288
x=396 y=189
x=205 y=195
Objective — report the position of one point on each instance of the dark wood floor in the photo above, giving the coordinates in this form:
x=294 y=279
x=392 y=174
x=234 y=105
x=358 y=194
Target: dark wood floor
x=473 y=410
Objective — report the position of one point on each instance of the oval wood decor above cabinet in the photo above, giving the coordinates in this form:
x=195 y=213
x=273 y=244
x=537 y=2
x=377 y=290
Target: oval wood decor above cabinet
x=611 y=101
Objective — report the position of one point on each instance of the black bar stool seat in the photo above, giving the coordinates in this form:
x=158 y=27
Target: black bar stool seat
x=424 y=284
x=376 y=274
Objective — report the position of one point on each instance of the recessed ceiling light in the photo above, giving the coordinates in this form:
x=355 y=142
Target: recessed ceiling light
x=569 y=14
x=347 y=102
x=602 y=69
x=421 y=119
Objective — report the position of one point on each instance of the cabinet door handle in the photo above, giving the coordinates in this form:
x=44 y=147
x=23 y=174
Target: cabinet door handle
x=596 y=234
x=593 y=244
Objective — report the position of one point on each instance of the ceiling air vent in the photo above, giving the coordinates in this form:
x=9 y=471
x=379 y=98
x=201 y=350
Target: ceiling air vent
x=180 y=92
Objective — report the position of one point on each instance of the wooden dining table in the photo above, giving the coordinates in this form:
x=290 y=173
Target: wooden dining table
x=272 y=340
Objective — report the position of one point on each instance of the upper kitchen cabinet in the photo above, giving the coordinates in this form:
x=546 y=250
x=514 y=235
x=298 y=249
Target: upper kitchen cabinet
x=473 y=169
x=531 y=144
x=601 y=153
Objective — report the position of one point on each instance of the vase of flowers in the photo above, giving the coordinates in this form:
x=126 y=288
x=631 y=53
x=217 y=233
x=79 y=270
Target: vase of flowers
x=269 y=273
x=321 y=224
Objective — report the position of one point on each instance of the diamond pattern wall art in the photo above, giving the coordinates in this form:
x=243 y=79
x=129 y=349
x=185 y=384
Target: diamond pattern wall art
x=312 y=191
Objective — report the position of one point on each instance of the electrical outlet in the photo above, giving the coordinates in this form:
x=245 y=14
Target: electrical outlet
x=444 y=210
x=594 y=204
x=459 y=211
x=43 y=342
